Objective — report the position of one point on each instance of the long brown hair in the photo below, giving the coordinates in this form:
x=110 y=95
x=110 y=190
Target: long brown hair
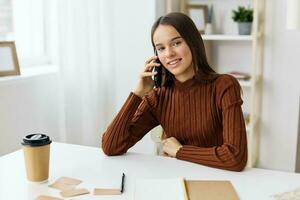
x=189 y=32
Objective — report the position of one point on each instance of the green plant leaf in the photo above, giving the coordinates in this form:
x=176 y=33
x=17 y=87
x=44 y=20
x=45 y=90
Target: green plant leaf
x=242 y=14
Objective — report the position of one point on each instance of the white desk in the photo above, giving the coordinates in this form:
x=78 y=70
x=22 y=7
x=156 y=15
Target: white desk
x=97 y=170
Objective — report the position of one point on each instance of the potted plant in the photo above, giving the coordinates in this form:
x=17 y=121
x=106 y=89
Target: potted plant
x=244 y=17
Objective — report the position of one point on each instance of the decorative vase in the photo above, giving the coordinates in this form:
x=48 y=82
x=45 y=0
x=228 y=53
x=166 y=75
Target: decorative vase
x=245 y=28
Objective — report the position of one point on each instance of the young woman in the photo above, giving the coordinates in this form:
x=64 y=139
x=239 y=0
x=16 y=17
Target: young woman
x=199 y=110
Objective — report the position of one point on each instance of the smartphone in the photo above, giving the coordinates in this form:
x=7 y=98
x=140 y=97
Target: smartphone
x=157 y=78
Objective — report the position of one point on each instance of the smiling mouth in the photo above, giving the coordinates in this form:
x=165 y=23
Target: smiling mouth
x=173 y=63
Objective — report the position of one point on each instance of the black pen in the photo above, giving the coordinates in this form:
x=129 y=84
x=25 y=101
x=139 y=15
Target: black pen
x=122 y=184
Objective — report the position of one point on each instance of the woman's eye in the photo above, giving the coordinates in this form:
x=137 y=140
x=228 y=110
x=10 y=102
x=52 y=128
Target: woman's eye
x=175 y=44
x=160 y=49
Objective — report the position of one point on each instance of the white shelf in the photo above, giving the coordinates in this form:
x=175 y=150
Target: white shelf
x=228 y=37
x=245 y=83
x=29 y=72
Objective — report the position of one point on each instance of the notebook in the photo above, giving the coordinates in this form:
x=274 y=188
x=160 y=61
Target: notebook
x=159 y=189
x=173 y=188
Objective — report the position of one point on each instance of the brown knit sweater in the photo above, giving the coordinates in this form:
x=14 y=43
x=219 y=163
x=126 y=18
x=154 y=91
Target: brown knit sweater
x=206 y=119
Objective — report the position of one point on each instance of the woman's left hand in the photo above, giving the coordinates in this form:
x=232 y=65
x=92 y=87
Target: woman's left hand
x=171 y=146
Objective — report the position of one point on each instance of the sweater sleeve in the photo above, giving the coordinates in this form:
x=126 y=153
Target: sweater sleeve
x=132 y=122
x=232 y=154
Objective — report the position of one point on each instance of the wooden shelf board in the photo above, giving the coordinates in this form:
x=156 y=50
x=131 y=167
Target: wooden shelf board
x=227 y=37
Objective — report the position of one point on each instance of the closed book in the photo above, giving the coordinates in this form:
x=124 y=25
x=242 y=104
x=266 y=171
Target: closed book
x=164 y=189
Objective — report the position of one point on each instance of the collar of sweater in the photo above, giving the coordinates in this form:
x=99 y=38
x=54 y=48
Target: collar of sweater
x=186 y=84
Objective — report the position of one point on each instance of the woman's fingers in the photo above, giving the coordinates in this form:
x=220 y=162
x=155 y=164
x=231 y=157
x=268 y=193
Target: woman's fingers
x=146 y=74
x=149 y=67
x=164 y=141
x=150 y=63
x=171 y=146
x=145 y=82
x=150 y=59
x=168 y=139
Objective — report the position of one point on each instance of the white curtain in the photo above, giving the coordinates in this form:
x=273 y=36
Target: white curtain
x=102 y=48
x=87 y=67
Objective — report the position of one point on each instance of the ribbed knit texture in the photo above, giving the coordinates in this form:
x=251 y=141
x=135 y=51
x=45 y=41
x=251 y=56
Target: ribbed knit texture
x=206 y=119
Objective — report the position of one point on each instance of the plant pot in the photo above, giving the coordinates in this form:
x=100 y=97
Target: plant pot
x=245 y=28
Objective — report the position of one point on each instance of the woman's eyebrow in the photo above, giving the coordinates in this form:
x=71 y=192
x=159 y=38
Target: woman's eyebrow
x=175 y=38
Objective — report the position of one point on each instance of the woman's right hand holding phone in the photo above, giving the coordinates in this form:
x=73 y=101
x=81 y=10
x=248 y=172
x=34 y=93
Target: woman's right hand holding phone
x=145 y=82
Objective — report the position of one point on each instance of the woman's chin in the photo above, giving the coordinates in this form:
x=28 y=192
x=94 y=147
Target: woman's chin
x=175 y=72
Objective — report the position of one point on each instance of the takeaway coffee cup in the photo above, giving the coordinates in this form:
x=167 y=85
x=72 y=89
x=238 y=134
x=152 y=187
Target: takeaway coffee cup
x=36 y=149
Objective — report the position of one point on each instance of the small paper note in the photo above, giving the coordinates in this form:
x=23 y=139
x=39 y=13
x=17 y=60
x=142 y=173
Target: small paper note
x=44 y=197
x=102 y=191
x=74 y=192
x=69 y=181
x=291 y=195
x=65 y=183
x=61 y=186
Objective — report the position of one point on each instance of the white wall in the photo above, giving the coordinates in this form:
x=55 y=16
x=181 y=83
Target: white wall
x=28 y=105
x=298 y=144
x=280 y=92
x=132 y=43
x=132 y=40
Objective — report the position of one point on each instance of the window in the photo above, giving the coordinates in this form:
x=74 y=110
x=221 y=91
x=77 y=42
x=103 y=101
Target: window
x=29 y=31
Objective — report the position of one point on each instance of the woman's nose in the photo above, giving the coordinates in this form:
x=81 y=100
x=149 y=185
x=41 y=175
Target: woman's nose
x=169 y=52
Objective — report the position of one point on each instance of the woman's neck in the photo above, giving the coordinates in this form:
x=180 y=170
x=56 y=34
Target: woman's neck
x=190 y=73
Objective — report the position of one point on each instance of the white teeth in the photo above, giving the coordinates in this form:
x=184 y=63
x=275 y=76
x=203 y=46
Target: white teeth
x=174 y=62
